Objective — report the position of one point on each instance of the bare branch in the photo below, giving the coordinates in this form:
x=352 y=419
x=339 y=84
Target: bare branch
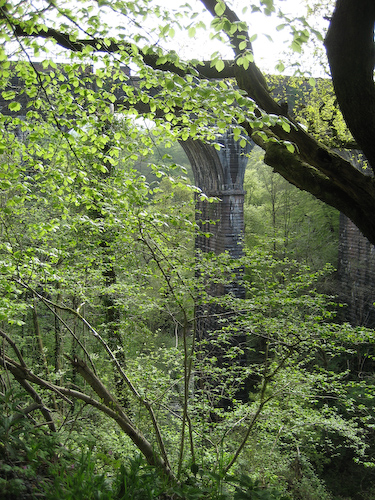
x=24 y=376
x=18 y=371
x=14 y=347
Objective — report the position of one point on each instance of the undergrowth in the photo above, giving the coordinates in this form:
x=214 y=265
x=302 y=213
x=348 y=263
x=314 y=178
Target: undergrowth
x=35 y=464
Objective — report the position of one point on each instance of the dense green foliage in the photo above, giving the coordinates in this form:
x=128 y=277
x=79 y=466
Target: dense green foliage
x=285 y=220
x=103 y=269
x=121 y=375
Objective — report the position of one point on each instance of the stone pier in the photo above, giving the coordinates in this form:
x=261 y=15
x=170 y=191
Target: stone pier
x=220 y=174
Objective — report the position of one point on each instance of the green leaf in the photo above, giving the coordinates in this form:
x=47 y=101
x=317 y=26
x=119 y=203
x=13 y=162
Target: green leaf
x=286 y=126
x=161 y=60
x=219 y=8
x=219 y=65
x=290 y=147
x=8 y=95
x=281 y=27
x=245 y=62
x=191 y=32
x=296 y=46
x=312 y=81
x=14 y=106
x=169 y=84
x=185 y=135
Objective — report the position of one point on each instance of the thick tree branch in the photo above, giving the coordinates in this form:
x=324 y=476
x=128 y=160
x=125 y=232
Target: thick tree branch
x=353 y=193
x=326 y=175
x=351 y=55
x=150 y=58
x=22 y=412
x=305 y=177
x=250 y=79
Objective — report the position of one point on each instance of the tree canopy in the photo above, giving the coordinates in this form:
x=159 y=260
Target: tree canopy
x=221 y=91
x=103 y=299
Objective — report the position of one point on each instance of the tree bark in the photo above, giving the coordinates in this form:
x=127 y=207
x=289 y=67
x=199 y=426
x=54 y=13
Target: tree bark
x=351 y=55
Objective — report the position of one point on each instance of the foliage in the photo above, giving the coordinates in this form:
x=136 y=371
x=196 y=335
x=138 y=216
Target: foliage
x=285 y=220
x=125 y=353
x=182 y=397
x=193 y=99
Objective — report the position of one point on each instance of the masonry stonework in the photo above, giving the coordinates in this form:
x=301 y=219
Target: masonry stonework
x=356 y=275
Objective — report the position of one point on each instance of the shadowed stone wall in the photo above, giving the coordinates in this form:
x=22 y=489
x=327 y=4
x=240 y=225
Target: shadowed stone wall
x=220 y=174
x=356 y=275
x=356 y=266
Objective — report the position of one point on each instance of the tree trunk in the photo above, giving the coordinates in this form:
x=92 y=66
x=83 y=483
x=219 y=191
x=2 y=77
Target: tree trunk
x=351 y=55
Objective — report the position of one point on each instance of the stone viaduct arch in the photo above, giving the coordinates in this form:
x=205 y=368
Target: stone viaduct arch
x=221 y=174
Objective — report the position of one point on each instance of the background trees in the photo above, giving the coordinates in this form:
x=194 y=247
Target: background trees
x=285 y=220
x=310 y=165
x=98 y=274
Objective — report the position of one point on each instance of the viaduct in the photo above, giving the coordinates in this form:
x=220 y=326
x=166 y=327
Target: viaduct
x=221 y=174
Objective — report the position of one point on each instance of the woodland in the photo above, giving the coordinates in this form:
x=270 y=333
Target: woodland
x=108 y=389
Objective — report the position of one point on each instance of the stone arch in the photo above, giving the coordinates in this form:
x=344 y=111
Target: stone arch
x=219 y=173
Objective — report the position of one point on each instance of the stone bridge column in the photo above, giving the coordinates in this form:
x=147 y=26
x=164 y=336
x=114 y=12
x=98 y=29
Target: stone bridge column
x=220 y=174
x=356 y=265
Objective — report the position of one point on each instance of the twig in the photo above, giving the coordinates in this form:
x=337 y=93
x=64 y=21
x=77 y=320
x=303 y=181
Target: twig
x=145 y=403
x=52 y=306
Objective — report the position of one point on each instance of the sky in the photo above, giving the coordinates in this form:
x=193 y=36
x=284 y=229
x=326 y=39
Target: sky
x=267 y=52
